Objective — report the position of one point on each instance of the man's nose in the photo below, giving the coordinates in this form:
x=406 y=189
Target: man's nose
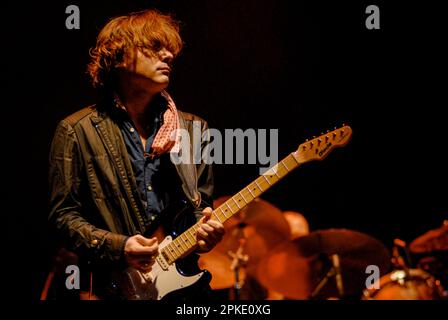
x=166 y=55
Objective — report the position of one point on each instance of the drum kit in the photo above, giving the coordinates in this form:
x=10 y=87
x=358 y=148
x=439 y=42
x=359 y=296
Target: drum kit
x=258 y=259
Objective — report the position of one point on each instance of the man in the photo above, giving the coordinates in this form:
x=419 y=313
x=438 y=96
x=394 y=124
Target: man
x=111 y=179
x=297 y=224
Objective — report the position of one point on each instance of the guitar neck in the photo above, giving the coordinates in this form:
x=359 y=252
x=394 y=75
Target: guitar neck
x=186 y=242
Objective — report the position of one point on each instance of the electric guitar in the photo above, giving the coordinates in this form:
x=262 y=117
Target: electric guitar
x=166 y=277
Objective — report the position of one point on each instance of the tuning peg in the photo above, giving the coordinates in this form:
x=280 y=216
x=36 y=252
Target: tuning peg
x=319 y=141
x=328 y=131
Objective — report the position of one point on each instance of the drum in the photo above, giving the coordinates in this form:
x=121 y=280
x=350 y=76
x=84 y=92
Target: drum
x=397 y=285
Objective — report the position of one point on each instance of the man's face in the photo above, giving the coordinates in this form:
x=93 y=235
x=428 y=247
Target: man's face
x=146 y=69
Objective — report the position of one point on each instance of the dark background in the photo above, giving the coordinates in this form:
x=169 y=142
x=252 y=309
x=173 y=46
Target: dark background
x=299 y=66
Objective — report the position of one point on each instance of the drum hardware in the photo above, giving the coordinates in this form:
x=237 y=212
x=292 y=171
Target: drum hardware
x=238 y=260
x=300 y=269
x=414 y=284
x=334 y=272
x=405 y=283
x=400 y=260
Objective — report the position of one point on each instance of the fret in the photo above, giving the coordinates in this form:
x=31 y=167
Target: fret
x=182 y=241
x=295 y=159
x=275 y=172
x=190 y=240
x=256 y=182
x=220 y=207
x=236 y=203
x=267 y=180
x=292 y=160
x=250 y=192
x=228 y=207
x=176 y=250
x=191 y=234
x=215 y=215
x=242 y=197
x=172 y=250
x=282 y=171
x=178 y=244
x=284 y=164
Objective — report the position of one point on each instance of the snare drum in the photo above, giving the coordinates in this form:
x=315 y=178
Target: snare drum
x=397 y=285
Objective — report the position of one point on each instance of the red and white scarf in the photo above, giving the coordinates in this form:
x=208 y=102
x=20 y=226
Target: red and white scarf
x=167 y=138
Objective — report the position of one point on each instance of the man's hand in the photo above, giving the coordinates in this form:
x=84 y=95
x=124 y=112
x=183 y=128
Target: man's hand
x=210 y=232
x=140 y=252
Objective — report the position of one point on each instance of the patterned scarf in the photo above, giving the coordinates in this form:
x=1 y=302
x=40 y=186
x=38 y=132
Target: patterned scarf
x=167 y=138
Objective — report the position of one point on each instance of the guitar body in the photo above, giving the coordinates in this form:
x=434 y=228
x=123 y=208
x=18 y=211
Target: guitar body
x=179 y=280
x=172 y=282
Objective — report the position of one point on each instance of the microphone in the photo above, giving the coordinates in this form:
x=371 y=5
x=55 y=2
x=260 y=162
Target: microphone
x=337 y=270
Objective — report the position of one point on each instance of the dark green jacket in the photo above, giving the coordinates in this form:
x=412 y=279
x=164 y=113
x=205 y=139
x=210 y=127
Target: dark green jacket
x=94 y=201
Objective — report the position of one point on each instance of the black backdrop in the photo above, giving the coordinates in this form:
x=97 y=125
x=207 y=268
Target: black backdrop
x=299 y=66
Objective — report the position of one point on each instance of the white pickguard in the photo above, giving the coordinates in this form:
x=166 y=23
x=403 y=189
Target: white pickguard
x=157 y=283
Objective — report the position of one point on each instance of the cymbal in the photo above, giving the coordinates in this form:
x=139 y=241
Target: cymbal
x=260 y=225
x=295 y=268
x=432 y=240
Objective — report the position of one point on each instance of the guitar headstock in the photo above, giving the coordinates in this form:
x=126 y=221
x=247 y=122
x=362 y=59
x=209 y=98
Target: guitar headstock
x=319 y=148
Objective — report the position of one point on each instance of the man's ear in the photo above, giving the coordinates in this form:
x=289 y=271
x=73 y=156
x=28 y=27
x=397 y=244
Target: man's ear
x=128 y=59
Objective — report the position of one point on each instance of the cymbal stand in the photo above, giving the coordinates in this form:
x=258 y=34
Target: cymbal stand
x=335 y=271
x=238 y=259
x=399 y=262
x=398 y=259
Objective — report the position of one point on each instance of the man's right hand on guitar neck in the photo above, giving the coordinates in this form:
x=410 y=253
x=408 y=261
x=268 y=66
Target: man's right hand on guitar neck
x=140 y=252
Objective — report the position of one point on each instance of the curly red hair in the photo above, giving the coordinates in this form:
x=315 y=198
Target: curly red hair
x=147 y=30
